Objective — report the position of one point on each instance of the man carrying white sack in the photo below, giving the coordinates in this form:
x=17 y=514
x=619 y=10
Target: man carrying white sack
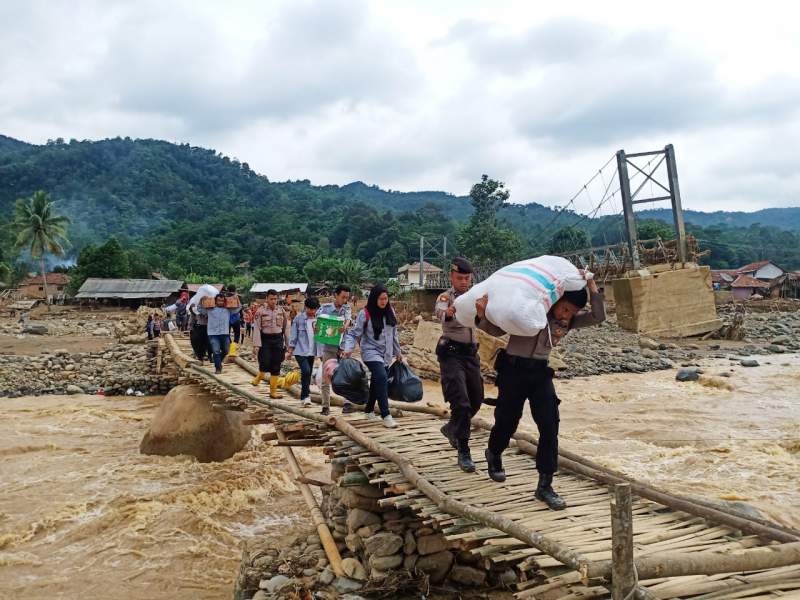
x=523 y=374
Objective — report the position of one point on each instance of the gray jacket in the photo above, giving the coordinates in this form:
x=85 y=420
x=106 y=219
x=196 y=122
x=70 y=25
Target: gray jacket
x=219 y=319
x=384 y=349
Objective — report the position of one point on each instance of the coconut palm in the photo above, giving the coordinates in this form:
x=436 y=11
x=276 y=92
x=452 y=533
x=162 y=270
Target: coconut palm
x=40 y=229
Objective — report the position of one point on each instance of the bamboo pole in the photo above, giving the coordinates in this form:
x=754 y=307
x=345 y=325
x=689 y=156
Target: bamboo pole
x=623 y=575
x=328 y=543
x=675 y=564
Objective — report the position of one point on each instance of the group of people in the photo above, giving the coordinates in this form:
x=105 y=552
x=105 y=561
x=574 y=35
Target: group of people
x=523 y=373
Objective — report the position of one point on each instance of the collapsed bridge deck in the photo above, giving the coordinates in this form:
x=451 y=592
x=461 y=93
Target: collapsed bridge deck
x=682 y=548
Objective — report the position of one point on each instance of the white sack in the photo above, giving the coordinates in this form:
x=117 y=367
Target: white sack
x=521 y=294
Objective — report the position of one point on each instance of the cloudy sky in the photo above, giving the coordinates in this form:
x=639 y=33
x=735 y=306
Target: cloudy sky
x=426 y=95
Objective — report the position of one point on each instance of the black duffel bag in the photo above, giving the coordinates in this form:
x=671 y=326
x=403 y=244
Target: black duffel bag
x=404 y=385
x=350 y=380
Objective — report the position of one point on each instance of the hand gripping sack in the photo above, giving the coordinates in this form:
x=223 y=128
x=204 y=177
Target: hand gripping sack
x=350 y=381
x=404 y=385
x=521 y=294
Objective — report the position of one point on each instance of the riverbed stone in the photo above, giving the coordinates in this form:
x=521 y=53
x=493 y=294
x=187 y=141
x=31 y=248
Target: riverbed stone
x=409 y=543
x=273 y=584
x=358 y=518
x=430 y=544
x=467 y=576
x=687 y=374
x=353 y=568
x=345 y=585
x=435 y=565
x=383 y=544
x=385 y=563
x=74 y=389
x=749 y=362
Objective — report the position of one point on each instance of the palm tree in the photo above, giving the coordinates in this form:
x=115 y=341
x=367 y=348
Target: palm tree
x=39 y=229
x=351 y=272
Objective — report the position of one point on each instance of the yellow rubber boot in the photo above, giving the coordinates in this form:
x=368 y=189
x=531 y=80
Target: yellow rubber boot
x=234 y=347
x=273 y=387
x=289 y=379
x=258 y=378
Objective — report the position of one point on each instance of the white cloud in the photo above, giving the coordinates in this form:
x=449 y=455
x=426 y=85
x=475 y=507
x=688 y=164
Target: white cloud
x=418 y=95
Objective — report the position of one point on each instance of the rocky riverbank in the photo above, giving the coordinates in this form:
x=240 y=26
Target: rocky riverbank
x=115 y=370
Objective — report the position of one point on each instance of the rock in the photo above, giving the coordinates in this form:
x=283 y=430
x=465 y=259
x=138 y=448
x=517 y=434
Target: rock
x=353 y=568
x=687 y=374
x=430 y=544
x=185 y=423
x=647 y=353
x=782 y=339
x=345 y=585
x=507 y=578
x=409 y=543
x=383 y=544
x=410 y=561
x=647 y=343
x=273 y=584
x=35 y=329
x=435 y=565
x=354 y=543
x=358 y=518
x=74 y=389
x=385 y=563
x=101 y=332
x=775 y=349
x=261 y=595
x=469 y=576
x=749 y=362
x=327 y=576
x=369 y=530
x=353 y=500
x=367 y=491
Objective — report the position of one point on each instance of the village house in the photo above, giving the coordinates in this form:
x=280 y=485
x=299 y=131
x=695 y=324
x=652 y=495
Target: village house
x=131 y=292
x=408 y=275
x=32 y=288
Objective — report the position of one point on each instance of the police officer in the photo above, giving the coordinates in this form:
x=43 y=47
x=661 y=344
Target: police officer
x=460 y=366
x=523 y=374
x=270 y=333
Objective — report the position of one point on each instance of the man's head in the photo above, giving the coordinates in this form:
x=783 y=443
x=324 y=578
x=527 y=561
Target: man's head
x=311 y=304
x=219 y=300
x=341 y=295
x=569 y=305
x=231 y=288
x=272 y=298
x=460 y=274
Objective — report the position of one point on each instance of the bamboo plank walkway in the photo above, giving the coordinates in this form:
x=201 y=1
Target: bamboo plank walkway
x=584 y=527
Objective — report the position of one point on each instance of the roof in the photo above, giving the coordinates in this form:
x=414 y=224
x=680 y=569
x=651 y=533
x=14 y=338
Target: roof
x=428 y=267
x=263 y=288
x=723 y=275
x=52 y=279
x=745 y=281
x=193 y=287
x=96 y=287
x=755 y=266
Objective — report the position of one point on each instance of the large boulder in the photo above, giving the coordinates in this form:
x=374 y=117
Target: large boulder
x=186 y=423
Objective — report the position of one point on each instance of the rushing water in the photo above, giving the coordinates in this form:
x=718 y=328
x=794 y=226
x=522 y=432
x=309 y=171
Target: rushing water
x=84 y=515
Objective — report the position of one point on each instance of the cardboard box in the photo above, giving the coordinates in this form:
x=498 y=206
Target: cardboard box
x=232 y=301
x=207 y=302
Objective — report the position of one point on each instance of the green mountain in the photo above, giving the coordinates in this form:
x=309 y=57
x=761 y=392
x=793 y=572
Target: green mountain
x=783 y=218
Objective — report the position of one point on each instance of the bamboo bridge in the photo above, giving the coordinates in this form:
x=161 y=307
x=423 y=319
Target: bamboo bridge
x=619 y=538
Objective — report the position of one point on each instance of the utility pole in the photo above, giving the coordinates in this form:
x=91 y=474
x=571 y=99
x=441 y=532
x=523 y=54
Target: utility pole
x=421 y=261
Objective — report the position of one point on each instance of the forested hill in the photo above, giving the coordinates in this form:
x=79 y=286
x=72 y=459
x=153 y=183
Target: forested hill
x=183 y=209
x=783 y=218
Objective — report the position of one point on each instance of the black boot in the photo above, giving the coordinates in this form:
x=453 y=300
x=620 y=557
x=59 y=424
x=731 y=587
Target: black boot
x=494 y=465
x=464 y=457
x=546 y=493
x=445 y=429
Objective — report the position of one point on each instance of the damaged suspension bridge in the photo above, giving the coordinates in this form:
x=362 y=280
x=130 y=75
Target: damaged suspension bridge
x=619 y=538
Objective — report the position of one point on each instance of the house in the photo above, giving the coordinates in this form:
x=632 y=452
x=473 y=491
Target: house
x=745 y=287
x=764 y=270
x=408 y=275
x=193 y=287
x=33 y=287
x=131 y=292
x=723 y=278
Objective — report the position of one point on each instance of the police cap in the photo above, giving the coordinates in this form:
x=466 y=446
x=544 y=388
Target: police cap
x=460 y=265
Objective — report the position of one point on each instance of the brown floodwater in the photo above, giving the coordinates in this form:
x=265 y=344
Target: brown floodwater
x=84 y=515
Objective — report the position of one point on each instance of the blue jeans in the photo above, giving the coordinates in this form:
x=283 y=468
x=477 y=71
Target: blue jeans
x=378 y=387
x=306 y=366
x=220 y=344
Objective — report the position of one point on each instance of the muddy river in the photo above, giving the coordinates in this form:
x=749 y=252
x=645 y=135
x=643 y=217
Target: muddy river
x=82 y=514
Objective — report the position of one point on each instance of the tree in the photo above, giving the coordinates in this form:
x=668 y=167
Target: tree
x=651 y=229
x=482 y=239
x=350 y=272
x=40 y=229
x=108 y=260
x=277 y=274
x=567 y=239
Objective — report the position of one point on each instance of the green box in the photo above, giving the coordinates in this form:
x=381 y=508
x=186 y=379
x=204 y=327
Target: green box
x=329 y=330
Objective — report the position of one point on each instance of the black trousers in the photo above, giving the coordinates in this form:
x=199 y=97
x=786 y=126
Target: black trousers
x=532 y=381
x=237 y=331
x=462 y=387
x=198 y=337
x=271 y=354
